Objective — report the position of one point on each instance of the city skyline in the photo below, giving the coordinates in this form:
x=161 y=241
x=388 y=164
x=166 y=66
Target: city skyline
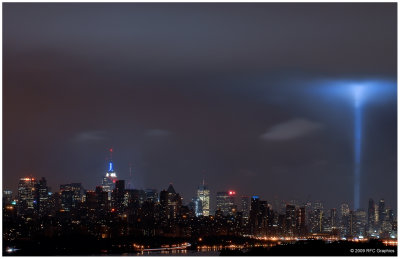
x=211 y=207
x=249 y=214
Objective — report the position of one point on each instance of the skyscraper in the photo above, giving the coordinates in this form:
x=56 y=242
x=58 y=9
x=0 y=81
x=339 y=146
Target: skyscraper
x=171 y=203
x=152 y=195
x=345 y=220
x=41 y=196
x=7 y=197
x=301 y=220
x=290 y=218
x=381 y=212
x=26 y=194
x=118 y=196
x=344 y=209
x=226 y=201
x=203 y=193
x=108 y=183
x=371 y=216
x=333 y=219
x=360 y=222
x=71 y=195
x=245 y=206
x=254 y=212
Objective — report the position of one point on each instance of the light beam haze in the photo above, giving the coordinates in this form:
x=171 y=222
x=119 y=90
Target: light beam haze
x=357 y=145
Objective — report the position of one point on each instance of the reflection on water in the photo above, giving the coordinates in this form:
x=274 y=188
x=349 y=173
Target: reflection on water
x=183 y=252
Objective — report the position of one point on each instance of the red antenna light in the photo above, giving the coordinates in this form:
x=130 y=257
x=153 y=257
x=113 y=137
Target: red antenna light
x=111 y=150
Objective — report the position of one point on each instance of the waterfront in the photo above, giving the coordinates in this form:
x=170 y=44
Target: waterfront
x=208 y=252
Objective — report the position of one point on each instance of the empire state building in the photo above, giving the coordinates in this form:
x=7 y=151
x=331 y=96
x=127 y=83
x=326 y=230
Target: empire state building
x=108 y=183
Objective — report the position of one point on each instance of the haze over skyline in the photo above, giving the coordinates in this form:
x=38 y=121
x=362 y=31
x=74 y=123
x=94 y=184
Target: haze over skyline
x=239 y=94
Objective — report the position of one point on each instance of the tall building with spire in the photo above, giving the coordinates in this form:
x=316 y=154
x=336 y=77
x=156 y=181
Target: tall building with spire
x=203 y=193
x=108 y=183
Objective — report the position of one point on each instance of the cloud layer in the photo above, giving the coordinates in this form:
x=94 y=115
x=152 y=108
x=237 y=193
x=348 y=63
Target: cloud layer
x=291 y=129
x=94 y=135
x=157 y=132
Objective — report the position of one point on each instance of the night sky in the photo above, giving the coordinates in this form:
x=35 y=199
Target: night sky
x=250 y=96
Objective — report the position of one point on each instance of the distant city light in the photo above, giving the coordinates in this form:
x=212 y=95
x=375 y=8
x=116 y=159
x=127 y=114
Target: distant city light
x=27 y=179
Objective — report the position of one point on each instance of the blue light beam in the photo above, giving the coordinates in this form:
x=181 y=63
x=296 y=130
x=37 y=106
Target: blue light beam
x=357 y=145
x=358 y=92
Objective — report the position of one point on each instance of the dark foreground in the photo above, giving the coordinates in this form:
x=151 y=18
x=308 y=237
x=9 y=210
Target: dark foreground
x=319 y=248
x=86 y=245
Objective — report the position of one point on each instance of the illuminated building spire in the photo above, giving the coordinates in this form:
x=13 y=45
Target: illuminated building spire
x=110 y=164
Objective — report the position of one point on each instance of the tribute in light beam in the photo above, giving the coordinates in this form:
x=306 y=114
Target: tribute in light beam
x=357 y=145
x=357 y=92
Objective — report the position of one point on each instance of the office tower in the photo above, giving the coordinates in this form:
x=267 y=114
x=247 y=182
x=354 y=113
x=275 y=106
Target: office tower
x=381 y=211
x=118 y=196
x=151 y=195
x=245 y=206
x=344 y=209
x=290 y=219
x=108 y=183
x=170 y=202
x=352 y=222
x=345 y=219
x=390 y=215
x=360 y=223
x=41 y=197
x=301 y=221
x=388 y=224
x=97 y=202
x=174 y=202
x=316 y=217
x=7 y=197
x=226 y=202
x=103 y=204
x=71 y=195
x=54 y=203
x=91 y=201
x=164 y=209
x=333 y=219
x=204 y=195
x=254 y=215
x=371 y=216
x=26 y=195
x=134 y=199
x=263 y=217
x=376 y=215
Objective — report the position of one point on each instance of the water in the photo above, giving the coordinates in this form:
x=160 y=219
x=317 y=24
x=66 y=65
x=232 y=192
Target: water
x=210 y=252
